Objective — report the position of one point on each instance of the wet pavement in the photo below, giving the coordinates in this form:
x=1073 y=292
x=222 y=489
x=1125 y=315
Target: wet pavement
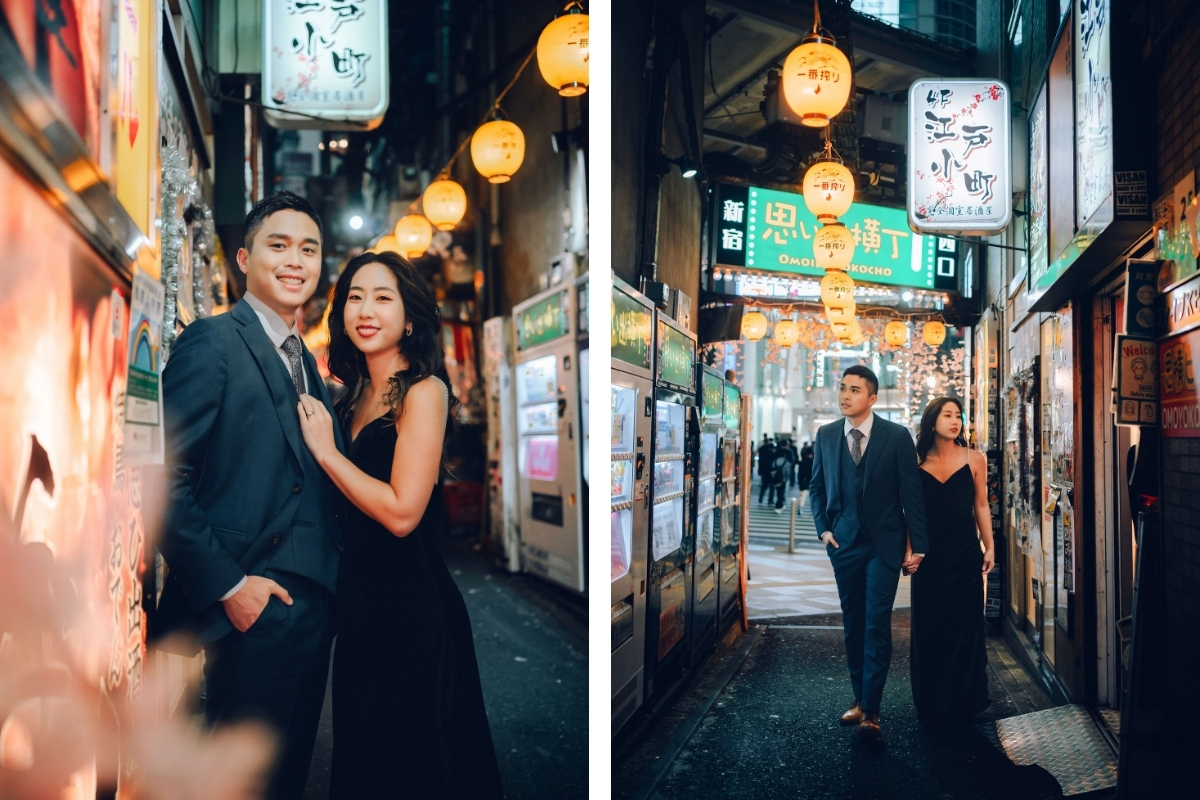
x=531 y=643
x=772 y=730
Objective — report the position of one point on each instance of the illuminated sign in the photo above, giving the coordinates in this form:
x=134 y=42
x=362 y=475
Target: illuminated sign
x=326 y=59
x=631 y=330
x=959 y=156
x=733 y=407
x=712 y=391
x=543 y=321
x=676 y=357
x=772 y=231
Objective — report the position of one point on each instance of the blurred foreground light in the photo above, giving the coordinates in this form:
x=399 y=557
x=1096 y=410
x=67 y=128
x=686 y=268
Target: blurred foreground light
x=414 y=235
x=562 y=52
x=356 y=222
x=754 y=326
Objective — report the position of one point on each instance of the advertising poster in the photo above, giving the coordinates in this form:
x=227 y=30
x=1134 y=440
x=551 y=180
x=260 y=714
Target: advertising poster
x=77 y=509
x=143 y=439
x=1136 y=373
x=1177 y=393
x=132 y=106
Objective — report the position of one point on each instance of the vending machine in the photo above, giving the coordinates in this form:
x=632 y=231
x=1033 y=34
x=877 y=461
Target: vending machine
x=728 y=564
x=581 y=343
x=710 y=426
x=632 y=398
x=669 y=578
x=549 y=431
x=504 y=509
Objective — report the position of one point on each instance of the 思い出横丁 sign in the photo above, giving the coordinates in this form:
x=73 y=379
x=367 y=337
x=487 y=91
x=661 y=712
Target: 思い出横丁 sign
x=326 y=59
x=959 y=156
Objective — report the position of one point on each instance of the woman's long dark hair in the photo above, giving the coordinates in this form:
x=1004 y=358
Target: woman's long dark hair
x=422 y=348
x=925 y=434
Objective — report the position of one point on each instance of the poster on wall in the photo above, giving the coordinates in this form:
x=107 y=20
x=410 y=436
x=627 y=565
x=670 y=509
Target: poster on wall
x=78 y=510
x=1136 y=375
x=1039 y=191
x=959 y=156
x=1178 y=393
x=143 y=438
x=132 y=103
x=1093 y=116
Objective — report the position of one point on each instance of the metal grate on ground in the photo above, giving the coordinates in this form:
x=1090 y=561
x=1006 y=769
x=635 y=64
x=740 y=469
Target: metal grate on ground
x=1064 y=741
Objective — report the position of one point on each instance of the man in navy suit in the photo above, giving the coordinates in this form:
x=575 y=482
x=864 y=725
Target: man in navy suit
x=251 y=539
x=865 y=500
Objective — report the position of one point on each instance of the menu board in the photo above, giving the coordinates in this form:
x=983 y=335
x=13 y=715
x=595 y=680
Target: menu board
x=676 y=357
x=543 y=321
x=733 y=407
x=631 y=330
x=712 y=391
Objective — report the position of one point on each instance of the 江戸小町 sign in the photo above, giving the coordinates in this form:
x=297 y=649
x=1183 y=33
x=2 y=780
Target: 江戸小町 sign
x=959 y=156
x=772 y=230
x=326 y=59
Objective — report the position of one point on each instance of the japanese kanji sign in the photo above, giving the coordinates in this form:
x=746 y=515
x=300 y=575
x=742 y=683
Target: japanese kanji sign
x=772 y=231
x=326 y=59
x=959 y=159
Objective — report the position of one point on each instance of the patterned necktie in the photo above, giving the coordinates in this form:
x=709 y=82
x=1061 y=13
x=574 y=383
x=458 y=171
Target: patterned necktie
x=856 y=437
x=291 y=346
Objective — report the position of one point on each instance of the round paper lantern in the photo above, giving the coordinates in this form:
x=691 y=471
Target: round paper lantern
x=498 y=148
x=754 y=325
x=828 y=190
x=934 y=333
x=414 y=235
x=387 y=244
x=816 y=80
x=562 y=53
x=787 y=332
x=853 y=335
x=444 y=203
x=833 y=246
x=895 y=333
x=837 y=290
x=843 y=314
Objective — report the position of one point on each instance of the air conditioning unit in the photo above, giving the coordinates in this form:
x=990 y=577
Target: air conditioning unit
x=883 y=119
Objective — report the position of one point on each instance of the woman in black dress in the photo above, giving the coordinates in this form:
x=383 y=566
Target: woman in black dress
x=408 y=712
x=948 y=660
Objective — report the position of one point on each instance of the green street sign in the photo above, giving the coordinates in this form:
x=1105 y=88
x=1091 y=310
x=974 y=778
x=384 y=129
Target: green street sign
x=631 y=328
x=771 y=230
x=676 y=357
x=543 y=322
x=712 y=391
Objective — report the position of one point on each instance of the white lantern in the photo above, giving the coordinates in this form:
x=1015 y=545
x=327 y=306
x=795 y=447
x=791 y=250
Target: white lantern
x=833 y=246
x=787 y=332
x=497 y=150
x=837 y=289
x=754 y=325
x=828 y=190
x=816 y=80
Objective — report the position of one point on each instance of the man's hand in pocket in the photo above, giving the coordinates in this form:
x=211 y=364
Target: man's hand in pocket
x=244 y=608
x=827 y=538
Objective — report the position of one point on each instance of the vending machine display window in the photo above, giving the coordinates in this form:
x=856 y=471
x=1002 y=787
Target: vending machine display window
x=669 y=523
x=672 y=621
x=624 y=422
x=704 y=533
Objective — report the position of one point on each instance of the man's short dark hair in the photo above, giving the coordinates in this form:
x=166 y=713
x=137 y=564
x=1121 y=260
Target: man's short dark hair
x=280 y=201
x=866 y=374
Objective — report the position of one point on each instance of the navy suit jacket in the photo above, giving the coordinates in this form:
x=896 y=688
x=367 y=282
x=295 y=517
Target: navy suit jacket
x=893 y=501
x=236 y=466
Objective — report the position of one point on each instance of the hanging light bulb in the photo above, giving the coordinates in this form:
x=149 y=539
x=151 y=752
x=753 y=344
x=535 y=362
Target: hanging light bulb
x=387 y=244
x=414 y=234
x=837 y=289
x=895 y=333
x=828 y=187
x=754 y=325
x=562 y=52
x=498 y=148
x=817 y=77
x=787 y=332
x=833 y=246
x=445 y=203
x=934 y=333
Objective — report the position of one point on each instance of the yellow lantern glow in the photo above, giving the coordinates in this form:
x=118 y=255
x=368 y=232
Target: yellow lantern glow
x=445 y=203
x=934 y=333
x=895 y=333
x=840 y=315
x=498 y=148
x=387 y=244
x=833 y=246
x=853 y=335
x=754 y=325
x=562 y=53
x=828 y=190
x=816 y=80
x=414 y=234
x=787 y=332
x=837 y=290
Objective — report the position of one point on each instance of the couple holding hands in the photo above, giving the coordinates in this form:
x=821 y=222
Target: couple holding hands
x=883 y=505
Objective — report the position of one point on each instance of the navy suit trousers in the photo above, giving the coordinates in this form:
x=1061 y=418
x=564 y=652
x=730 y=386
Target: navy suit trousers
x=867 y=589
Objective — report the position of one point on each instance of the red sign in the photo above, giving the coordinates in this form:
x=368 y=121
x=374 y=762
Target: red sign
x=1180 y=399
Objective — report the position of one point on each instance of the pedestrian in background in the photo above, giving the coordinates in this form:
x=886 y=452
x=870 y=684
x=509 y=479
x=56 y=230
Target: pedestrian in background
x=766 y=459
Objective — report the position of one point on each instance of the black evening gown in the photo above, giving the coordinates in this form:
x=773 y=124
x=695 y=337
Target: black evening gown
x=408 y=713
x=947 y=657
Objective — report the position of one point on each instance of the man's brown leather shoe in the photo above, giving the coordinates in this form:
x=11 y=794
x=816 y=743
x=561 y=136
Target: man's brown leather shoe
x=869 y=727
x=853 y=715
